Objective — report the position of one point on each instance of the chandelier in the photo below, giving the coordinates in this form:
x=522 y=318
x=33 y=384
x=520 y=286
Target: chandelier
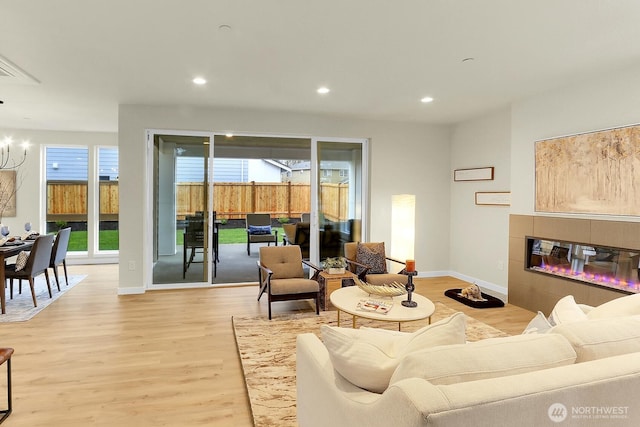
x=6 y=160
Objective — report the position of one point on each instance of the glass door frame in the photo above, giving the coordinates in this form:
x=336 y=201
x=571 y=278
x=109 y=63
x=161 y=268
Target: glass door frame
x=314 y=252
x=148 y=209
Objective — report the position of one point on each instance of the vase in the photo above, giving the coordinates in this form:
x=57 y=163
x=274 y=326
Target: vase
x=336 y=270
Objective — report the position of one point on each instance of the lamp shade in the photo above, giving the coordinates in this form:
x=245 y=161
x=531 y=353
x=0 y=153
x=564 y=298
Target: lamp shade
x=403 y=226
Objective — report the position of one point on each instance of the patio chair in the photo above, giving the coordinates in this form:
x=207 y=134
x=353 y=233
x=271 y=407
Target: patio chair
x=193 y=241
x=298 y=234
x=369 y=262
x=259 y=230
x=281 y=275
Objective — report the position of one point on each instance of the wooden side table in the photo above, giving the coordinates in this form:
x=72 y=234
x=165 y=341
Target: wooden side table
x=330 y=282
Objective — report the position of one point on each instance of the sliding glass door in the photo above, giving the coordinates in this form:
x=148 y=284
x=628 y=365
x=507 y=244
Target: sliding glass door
x=181 y=209
x=340 y=198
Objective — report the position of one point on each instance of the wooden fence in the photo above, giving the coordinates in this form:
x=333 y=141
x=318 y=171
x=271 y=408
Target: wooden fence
x=68 y=199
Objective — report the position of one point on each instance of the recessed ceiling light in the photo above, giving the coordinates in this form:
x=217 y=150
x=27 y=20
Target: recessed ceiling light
x=323 y=90
x=426 y=100
x=468 y=59
x=224 y=27
x=199 y=81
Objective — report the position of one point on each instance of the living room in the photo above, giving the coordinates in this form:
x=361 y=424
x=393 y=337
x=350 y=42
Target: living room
x=455 y=237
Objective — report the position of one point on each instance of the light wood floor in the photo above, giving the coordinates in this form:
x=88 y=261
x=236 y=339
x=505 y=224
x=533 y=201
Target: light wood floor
x=165 y=358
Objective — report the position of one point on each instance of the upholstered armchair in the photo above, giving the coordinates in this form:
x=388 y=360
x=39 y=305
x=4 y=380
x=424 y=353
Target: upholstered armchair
x=281 y=275
x=369 y=262
x=259 y=230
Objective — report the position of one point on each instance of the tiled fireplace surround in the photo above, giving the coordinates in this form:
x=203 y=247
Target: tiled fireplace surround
x=535 y=291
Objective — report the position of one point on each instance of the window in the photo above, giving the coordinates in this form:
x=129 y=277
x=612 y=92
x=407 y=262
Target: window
x=67 y=171
x=108 y=235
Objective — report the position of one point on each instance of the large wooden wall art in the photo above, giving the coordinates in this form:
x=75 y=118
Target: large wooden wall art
x=7 y=194
x=594 y=173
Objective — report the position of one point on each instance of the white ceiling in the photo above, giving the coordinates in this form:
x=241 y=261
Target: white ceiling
x=379 y=57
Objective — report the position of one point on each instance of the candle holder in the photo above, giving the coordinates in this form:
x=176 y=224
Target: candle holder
x=410 y=287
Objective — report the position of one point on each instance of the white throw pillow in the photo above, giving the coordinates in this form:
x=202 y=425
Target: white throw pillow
x=21 y=260
x=489 y=358
x=566 y=311
x=368 y=357
x=628 y=305
x=601 y=338
x=538 y=325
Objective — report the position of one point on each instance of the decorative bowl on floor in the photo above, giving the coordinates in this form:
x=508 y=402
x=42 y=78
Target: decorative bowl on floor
x=392 y=289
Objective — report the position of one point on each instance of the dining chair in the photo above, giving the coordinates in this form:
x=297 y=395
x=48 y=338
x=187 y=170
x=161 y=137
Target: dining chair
x=59 y=254
x=36 y=264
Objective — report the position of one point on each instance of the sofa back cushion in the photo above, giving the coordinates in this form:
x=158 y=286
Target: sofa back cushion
x=598 y=338
x=489 y=358
x=628 y=305
x=368 y=357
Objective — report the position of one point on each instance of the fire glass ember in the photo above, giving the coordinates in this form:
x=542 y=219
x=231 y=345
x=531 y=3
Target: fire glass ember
x=614 y=268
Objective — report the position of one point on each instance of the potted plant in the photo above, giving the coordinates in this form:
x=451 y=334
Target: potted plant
x=335 y=265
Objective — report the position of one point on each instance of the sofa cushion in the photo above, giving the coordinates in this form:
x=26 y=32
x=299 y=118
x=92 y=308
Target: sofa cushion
x=624 y=306
x=489 y=358
x=598 y=338
x=368 y=357
x=538 y=325
x=566 y=310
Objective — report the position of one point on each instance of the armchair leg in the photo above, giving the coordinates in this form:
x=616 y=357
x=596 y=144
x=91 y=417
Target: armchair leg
x=5 y=356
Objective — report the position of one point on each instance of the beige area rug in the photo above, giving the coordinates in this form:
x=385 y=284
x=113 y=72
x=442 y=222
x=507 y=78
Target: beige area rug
x=20 y=308
x=268 y=354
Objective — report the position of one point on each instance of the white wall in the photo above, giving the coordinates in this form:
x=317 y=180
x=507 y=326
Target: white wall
x=405 y=158
x=611 y=100
x=479 y=234
x=31 y=194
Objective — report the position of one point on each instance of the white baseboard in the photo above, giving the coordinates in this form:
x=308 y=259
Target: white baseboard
x=485 y=286
x=131 y=291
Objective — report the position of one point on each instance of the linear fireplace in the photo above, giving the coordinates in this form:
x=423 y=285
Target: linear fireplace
x=603 y=266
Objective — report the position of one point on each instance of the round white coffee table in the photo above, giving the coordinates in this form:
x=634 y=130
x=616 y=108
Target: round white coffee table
x=346 y=299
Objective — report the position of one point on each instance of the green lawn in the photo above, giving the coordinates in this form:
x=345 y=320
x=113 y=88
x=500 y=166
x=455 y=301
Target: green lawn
x=109 y=238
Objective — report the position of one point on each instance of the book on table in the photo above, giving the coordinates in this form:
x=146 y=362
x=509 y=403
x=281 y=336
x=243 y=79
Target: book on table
x=375 y=305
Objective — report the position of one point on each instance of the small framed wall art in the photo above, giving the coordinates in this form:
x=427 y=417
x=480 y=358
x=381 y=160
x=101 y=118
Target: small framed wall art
x=496 y=198
x=474 y=174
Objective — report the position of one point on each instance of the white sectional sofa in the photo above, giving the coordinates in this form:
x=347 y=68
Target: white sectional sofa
x=579 y=373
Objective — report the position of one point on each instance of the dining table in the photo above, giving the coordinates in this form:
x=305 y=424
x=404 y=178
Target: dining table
x=8 y=250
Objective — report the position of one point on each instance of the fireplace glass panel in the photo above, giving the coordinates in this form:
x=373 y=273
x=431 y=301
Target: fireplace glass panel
x=603 y=266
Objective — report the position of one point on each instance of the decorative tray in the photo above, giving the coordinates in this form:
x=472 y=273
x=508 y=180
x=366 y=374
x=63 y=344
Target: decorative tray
x=392 y=289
